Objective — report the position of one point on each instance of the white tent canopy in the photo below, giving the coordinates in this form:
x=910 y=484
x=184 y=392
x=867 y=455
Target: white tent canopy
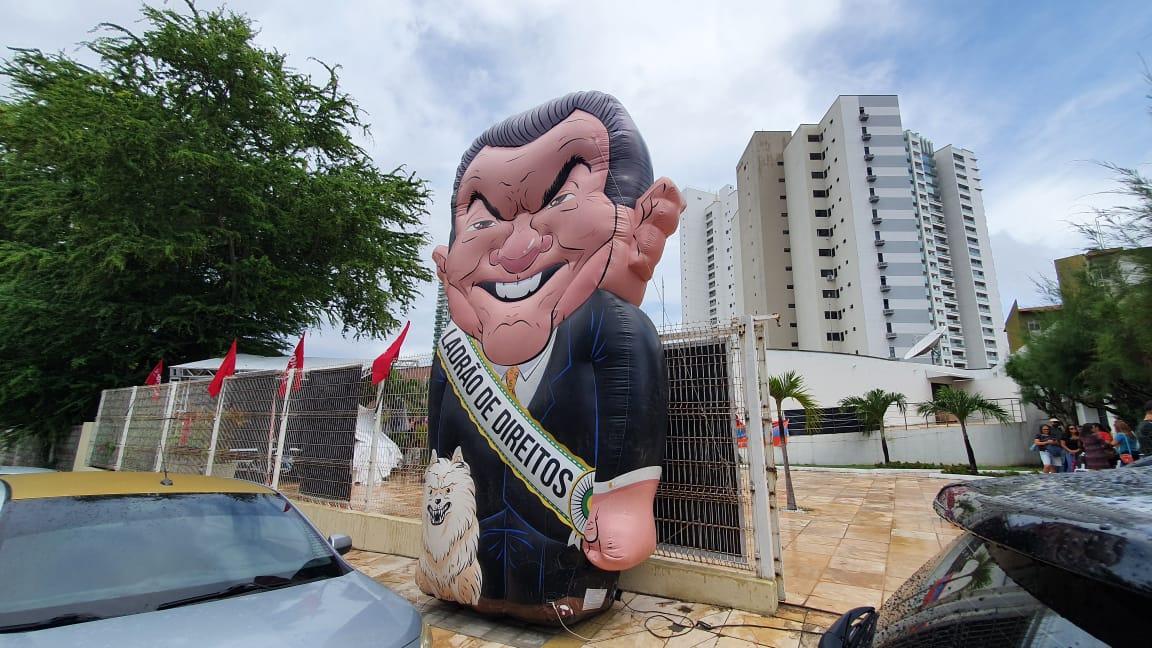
x=249 y=363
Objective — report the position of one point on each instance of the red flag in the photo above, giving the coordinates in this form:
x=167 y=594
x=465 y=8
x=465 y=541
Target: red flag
x=154 y=379
x=227 y=368
x=154 y=376
x=382 y=366
x=295 y=362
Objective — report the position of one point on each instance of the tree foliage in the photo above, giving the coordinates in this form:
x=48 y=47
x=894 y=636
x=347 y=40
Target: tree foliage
x=871 y=408
x=1097 y=349
x=188 y=189
x=963 y=405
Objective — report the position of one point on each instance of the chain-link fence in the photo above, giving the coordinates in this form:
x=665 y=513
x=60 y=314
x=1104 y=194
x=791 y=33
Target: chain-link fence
x=338 y=440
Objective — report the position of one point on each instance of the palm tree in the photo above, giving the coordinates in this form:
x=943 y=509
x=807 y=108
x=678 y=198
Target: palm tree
x=963 y=405
x=780 y=388
x=871 y=408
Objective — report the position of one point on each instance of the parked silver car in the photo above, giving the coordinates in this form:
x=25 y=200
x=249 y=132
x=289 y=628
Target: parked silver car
x=126 y=559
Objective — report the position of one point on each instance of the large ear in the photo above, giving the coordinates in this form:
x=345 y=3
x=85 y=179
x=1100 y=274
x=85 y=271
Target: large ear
x=655 y=218
x=457 y=456
x=432 y=462
x=440 y=257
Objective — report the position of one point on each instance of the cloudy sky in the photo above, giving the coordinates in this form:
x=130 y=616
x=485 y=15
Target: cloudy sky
x=1040 y=94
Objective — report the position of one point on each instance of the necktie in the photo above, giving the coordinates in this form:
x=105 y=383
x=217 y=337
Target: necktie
x=510 y=377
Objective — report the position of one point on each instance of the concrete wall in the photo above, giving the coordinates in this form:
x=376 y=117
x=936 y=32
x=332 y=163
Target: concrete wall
x=657 y=576
x=994 y=445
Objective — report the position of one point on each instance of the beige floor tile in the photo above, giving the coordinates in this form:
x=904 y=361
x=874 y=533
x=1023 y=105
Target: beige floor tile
x=850 y=594
x=799 y=587
x=873 y=534
x=916 y=535
x=857 y=564
x=835 y=606
x=641 y=639
x=757 y=630
x=871 y=580
x=893 y=583
x=791 y=613
x=826 y=529
x=691 y=639
x=731 y=642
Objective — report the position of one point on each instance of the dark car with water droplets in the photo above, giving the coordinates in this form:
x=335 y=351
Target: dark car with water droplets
x=1047 y=560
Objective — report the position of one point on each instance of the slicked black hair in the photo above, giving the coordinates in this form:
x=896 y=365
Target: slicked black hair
x=629 y=165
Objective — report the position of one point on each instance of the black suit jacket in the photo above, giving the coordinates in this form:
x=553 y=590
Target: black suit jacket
x=604 y=395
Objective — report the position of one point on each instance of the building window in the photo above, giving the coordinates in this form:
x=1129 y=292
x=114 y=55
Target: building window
x=823 y=231
x=819 y=193
x=787 y=250
x=815 y=138
x=834 y=337
x=831 y=315
x=787 y=268
x=788 y=287
x=783 y=214
x=827 y=273
x=831 y=294
x=792 y=325
x=818 y=174
x=780 y=180
x=779 y=162
x=815 y=156
x=791 y=305
x=1034 y=326
x=821 y=213
x=825 y=252
x=783 y=197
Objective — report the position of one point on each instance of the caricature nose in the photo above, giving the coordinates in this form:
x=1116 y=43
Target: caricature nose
x=437 y=500
x=521 y=248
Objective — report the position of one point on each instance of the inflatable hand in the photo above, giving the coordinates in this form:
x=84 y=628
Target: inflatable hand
x=621 y=529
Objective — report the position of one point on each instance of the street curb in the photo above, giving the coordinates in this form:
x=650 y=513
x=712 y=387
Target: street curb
x=918 y=472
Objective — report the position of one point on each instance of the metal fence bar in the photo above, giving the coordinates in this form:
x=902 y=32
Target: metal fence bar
x=172 y=389
x=124 y=435
x=215 y=439
x=279 y=460
x=758 y=468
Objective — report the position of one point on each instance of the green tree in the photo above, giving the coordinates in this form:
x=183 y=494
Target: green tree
x=782 y=387
x=187 y=189
x=871 y=408
x=964 y=405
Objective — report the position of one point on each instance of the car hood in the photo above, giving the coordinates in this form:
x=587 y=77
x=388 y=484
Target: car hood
x=1095 y=524
x=352 y=610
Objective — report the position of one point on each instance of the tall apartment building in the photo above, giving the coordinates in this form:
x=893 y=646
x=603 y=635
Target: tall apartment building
x=708 y=276
x=862 y=237
x=959 y=273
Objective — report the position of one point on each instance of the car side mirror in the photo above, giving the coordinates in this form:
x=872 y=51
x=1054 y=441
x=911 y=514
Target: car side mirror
x=341 y=543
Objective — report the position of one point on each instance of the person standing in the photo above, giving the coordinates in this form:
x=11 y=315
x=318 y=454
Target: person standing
x=1043 y=441
x=1125 y=443
x=1097 y=452
x=1073 y=446
x=1144 y=428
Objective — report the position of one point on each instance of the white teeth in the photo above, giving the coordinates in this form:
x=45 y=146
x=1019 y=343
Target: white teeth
x=518 y=289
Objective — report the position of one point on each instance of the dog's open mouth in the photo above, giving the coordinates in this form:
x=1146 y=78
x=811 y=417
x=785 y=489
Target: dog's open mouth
x=436 y=515
x=515 y=291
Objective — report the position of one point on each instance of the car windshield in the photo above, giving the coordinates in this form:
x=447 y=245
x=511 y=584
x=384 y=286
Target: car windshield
x=73 y=559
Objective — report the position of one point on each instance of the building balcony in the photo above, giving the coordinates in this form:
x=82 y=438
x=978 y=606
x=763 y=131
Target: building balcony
x=882 y=264
x=876 y=220
x=885 y=288
x=866 y=136
x=868 y=157
x=870 y=178
x=879 y=242
x=864 y=116
x=887 y=312
x=890 y=335
x=873 y=198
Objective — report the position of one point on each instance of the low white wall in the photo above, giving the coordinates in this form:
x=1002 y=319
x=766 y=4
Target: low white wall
x=994 y=445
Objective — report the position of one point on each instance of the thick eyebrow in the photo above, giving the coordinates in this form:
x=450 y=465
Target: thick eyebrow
x=562 y=177
x=476 y=195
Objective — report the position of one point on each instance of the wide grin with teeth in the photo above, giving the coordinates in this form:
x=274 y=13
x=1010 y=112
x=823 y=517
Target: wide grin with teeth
x=515 y=291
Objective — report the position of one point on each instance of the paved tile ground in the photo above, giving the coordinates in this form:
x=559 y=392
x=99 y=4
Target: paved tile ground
x=859 y=537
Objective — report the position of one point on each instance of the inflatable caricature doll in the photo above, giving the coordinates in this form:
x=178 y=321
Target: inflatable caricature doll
x=549 y=398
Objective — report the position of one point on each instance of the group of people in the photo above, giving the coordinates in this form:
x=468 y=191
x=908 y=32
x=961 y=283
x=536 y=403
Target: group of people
x=1092 y=446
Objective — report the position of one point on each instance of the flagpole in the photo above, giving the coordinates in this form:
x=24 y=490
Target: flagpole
x=271 y=431
x=275 y=483
x=374 y=443
x=216 y=428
